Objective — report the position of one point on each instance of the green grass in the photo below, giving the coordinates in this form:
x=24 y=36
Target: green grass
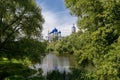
x=13 y=69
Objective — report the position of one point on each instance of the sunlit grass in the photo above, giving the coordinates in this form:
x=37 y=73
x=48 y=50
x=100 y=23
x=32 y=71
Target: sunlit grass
x=25 y=61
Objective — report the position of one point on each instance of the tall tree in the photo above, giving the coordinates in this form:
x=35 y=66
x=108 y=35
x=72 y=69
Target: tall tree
x=101 y=21
x=19 y=19
x=20 y=27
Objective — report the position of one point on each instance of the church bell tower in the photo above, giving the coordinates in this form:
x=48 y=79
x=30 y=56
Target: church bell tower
x=73 y=29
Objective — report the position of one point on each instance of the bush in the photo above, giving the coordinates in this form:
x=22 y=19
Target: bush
x=15 y=77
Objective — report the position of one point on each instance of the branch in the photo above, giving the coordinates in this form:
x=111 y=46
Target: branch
x=8 y=37
x=17 y=19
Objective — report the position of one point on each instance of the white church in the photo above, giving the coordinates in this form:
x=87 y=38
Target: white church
x=57 y=33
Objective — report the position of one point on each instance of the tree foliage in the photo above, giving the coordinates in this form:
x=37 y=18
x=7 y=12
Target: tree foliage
x=20 y=31
x=20 y=27
x=97 y=48
x=19 y=19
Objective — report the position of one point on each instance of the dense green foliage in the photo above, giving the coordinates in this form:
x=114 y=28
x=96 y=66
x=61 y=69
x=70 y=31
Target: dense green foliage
x=20 y=38
x=10 y=70
x=19 y=19
x=96 y=45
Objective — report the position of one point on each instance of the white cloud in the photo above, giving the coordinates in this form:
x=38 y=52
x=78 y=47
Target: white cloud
x=62 y=20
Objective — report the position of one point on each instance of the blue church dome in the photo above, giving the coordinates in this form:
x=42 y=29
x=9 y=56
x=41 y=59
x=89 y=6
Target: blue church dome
x=53 y=31
x=59 y=32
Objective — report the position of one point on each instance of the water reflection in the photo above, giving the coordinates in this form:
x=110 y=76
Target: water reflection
x=52 y=62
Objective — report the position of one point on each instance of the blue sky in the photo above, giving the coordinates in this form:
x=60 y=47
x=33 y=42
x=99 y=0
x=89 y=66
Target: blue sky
x=56 y=15
x=55 y=5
